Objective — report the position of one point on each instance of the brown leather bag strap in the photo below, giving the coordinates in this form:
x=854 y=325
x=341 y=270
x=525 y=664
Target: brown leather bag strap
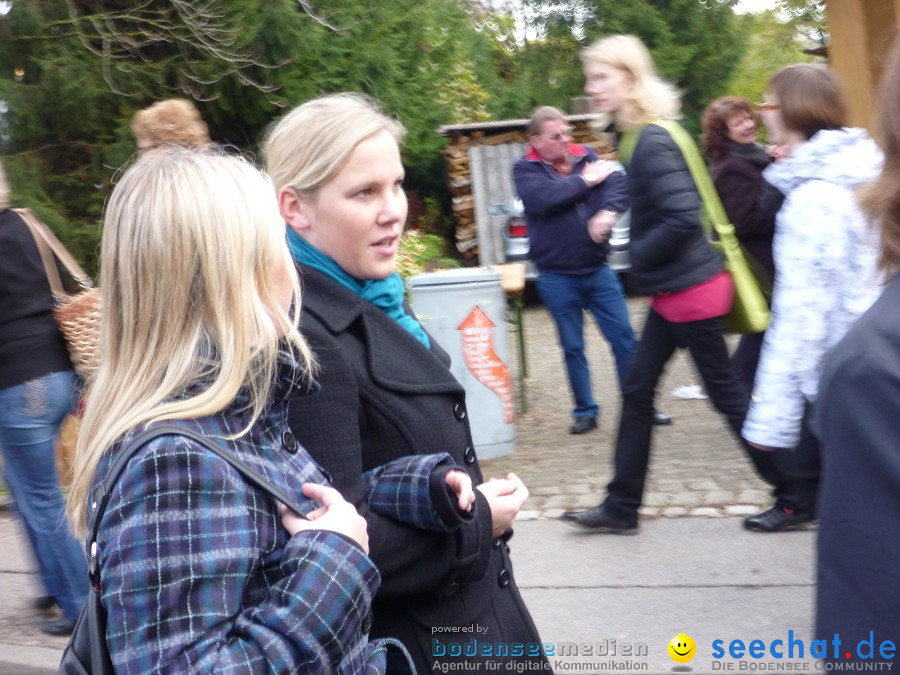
x=48 y=246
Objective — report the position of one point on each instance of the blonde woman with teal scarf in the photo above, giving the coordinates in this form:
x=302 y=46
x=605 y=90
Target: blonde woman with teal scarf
x=384 y=387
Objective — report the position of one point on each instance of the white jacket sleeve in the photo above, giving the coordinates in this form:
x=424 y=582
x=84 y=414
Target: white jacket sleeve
x=810 y=249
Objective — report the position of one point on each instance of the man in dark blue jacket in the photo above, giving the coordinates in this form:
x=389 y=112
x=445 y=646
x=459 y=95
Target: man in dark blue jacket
x=572 y=199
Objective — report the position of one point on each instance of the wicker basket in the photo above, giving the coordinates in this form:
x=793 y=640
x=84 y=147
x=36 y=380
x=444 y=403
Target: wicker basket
x=78 y=314
x=78 y=317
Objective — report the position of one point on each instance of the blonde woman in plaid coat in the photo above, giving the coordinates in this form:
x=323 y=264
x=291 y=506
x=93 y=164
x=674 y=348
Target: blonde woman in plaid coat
x=200 y=571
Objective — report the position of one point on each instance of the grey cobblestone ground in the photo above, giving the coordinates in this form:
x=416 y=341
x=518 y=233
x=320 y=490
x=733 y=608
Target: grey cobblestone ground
x=696 y=467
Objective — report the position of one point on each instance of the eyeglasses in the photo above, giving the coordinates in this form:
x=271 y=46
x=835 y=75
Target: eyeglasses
x=559 y=135
x=766 y=106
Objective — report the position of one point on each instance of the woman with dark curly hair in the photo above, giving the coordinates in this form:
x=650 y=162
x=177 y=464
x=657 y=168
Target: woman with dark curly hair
x=729 y=126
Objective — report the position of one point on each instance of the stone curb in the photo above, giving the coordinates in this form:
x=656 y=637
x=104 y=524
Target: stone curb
x=652 y=513
x=649 y=512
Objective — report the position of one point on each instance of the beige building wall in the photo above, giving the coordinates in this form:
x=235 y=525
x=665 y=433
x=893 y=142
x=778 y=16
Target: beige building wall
x=861 y=33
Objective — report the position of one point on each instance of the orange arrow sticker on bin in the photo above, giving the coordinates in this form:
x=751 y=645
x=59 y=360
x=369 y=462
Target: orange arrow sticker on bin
x=482 y=361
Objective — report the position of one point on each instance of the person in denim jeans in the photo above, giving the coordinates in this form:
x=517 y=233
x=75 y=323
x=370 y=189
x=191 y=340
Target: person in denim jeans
x=37 y=391
x=572 y=199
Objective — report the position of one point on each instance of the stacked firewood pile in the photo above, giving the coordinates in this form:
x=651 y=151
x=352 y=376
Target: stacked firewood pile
x=456 y=156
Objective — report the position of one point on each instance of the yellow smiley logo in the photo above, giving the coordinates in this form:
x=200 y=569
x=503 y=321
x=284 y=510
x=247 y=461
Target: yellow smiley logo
x=682 y=648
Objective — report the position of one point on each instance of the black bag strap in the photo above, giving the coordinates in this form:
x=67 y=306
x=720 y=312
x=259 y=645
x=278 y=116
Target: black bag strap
x=102 y=492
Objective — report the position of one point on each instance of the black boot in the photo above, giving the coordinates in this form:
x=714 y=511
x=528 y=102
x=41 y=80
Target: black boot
x=600 y=520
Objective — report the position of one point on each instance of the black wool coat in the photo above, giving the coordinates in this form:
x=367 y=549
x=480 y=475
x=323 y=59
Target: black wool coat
x=381 y=395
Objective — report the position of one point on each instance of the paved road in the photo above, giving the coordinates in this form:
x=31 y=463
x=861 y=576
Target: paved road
x=589 y=594
x=23 y=648
x=703 y=576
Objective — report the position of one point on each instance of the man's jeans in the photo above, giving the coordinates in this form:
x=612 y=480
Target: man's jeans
x=30 y=416
x=566 y=296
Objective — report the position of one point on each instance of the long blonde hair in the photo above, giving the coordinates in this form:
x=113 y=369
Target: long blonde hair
x=189 y=241
x=650 y=97
x=307 y=147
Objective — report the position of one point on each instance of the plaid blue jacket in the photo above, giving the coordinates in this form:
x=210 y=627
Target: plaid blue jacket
x=199 y=575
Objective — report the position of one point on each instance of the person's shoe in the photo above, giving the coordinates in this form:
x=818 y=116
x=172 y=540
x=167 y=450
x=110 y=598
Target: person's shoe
x=583 y=425
x=778 y=519
x=599 y=520
x=58 y=627
x=44 y=602
x=660 y=419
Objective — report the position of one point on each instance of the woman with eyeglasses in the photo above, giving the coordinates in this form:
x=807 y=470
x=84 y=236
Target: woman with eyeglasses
x=826 y=275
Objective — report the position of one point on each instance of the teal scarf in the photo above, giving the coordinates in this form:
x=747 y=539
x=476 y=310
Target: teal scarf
x=385 y=294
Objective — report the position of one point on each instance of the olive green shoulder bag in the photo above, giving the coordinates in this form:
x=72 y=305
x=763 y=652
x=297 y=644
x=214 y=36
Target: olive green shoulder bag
x=750 y=309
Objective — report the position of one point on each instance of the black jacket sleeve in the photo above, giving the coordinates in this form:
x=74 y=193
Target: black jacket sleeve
x=769 y=202
x=663 y=173
x=327 y=422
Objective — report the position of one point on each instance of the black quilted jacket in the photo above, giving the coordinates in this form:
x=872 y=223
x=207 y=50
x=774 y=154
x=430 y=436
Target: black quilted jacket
x=669 y=250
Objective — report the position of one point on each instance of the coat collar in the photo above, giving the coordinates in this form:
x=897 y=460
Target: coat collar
x=575 y=150
x=396 y=359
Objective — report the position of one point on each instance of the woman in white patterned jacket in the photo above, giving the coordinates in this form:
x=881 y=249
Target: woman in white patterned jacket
x=825 y=257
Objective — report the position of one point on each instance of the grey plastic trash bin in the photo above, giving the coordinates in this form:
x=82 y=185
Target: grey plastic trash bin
x=465 y=311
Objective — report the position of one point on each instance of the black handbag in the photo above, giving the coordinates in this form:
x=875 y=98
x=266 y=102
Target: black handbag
x=87 y=651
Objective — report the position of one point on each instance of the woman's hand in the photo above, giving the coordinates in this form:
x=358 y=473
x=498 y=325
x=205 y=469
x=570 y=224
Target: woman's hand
x=505 y=497
x=461 y=484
x=336 y=515
x=597 y=171
x=777 y=152
x=600 y=225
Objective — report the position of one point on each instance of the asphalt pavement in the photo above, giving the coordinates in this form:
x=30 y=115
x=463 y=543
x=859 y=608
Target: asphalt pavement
x=603 y=603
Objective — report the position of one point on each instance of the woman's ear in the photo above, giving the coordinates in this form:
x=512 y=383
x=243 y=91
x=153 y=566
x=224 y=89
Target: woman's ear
x=292 y=209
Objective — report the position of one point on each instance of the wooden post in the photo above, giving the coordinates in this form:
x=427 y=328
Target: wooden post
x=861 y=33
